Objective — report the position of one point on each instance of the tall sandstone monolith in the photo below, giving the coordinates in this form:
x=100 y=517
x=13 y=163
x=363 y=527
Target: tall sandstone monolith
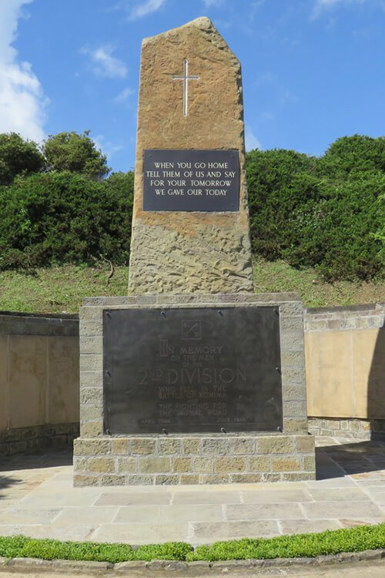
x=191 y=379
x=190 y=228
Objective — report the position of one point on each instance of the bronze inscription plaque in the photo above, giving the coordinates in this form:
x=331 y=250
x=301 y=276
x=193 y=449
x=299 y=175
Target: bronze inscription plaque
x=191 y=180
x=192 y=370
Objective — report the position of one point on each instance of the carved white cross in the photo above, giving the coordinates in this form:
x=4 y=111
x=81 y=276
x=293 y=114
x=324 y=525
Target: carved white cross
x=185 y=79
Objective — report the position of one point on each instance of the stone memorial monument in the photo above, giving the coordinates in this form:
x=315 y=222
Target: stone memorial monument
x=190 y=228
x=192 y=378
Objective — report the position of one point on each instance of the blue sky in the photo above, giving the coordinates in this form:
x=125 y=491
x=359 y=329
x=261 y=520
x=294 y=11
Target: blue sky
x=313 y=70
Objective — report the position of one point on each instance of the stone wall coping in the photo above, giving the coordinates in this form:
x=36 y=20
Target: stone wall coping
x=368 y=308
x=66 y=325
x=350 y=318
x=200 y=435
x=230 y=299
x=60 y=316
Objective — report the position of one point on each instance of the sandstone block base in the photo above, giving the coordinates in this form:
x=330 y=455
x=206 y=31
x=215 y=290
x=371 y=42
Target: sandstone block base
x=39 y=437
x=188 y=459
x=199 y=458
x=347 y=428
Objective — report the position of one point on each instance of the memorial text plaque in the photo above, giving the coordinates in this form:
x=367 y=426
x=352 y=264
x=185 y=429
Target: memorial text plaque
x=190 y=180
x=192 y=370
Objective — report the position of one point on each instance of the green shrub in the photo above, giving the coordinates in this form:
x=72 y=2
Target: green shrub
x=352 y=155
x=65 y=217
x=70 y=151
x=18 y=157
x=273 y=198
x=324 y=213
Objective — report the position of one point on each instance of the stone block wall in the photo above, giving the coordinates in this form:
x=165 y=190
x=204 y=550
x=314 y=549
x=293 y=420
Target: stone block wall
x=39 y=381
x=288 y=455
x=359 y=429
x=345 y=370
x=187 y=459
x=39 y=378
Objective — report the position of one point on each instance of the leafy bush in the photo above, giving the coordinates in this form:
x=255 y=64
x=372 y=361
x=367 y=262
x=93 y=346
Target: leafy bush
x=350 y=155
x=325 y=213
x=18 y=157
x=70 y=151
x=272 y=196
x=65 y=217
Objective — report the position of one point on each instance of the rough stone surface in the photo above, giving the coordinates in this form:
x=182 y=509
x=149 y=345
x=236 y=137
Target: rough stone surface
x=13 y=441
x=195 y=251
x=352 y=564
x=359 y=429
x=195 y=458
x=291 y=459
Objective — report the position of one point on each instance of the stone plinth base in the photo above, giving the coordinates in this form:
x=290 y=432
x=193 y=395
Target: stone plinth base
x=347 y=428
x=256 y=456
x=204 y=459
x=39 y=437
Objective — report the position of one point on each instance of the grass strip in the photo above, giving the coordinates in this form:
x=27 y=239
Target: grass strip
x=355 y=539
x=47 y=549
x=59 y=289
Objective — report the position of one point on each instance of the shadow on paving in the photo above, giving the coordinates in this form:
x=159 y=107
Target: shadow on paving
x=48 y=458
x=347 y=459
x=8 y=482
x=333 y=461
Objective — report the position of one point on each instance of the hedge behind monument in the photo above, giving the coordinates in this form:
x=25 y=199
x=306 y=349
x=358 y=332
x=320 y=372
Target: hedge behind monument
x=64 y=217
x=325 y=212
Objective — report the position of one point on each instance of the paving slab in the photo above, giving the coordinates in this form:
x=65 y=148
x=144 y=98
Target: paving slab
x=141 y=533
x=301 y=526
x=320 y=494
x=28 y=516
x=37 y=499
x=276 y=496
x=348 y=510
x=59 y=499
x=75 y=533
x=175 y=513
x=122 y=498
x=267 y=511
x=215 y=496
x=203 y=533
x=88 y=516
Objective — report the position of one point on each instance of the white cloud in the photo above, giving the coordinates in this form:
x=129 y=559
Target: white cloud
x=124 y=96
x=210 y=3
x=266 y=116
x=281 y=94
x=22 y=102
x=105 y=146
x=104 y=64
x=139 y=8
x=251 y=141
x=322 y=5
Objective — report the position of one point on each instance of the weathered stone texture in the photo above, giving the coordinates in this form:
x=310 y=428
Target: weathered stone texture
x=204 y=458
x=100 y=462
x=196 y=251
x=358 y=429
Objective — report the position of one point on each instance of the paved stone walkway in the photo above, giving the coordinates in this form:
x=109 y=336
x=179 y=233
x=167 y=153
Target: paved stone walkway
x=37 y=499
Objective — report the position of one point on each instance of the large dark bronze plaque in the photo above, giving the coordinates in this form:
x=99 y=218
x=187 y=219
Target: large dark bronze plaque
x=192 y=370
x=190 y=180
